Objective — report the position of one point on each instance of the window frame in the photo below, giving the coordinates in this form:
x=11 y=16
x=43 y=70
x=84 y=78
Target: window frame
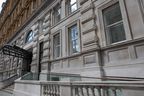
x=55 y=9
x=102 y=32
x=56 y=46
x=27 y=35
x=53 y=49
x=69 y=7
x=108 y=26
x=69 y=50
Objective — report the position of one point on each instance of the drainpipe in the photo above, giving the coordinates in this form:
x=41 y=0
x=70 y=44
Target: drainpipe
x=100 y=58
x=101 y=64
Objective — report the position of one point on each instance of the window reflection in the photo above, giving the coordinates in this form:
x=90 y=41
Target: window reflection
x=29 y=37
x=114 y=24
x=72 y=2
x=73 y=38
x=72 y=6
x=56 y=41
x=57 y=14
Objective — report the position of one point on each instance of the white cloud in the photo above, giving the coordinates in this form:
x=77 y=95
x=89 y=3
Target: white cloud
x=1 y=1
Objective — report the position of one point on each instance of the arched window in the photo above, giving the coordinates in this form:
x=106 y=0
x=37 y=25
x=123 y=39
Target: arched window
x=29 y=37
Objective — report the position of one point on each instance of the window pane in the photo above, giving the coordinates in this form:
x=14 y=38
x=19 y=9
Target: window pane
x=73 y=34
x=29 y=37
x=57 y=14
x=59 y=11
x=56 y=39
x=112 y=14
x=114 y=24
x=116 y=33
x=57 y=51
x=72 y=2
x=76 y=46
x=56 y=46
x=73 y=7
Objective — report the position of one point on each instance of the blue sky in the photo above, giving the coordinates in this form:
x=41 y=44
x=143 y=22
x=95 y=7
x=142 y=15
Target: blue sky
x=1 y=1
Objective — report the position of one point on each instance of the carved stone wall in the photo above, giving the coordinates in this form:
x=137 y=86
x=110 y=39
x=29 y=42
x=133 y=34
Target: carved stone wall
x=118 y=59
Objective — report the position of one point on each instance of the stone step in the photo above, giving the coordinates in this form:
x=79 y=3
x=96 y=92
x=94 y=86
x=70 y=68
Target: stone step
x=3 y=93
x=9 y=89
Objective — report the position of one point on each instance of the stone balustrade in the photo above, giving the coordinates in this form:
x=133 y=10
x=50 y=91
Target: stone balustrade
x=78 y=88
x=51 y=90
x=93 y=88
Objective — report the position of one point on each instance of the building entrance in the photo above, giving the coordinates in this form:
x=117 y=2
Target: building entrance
x=15 y=51
x=27 y=63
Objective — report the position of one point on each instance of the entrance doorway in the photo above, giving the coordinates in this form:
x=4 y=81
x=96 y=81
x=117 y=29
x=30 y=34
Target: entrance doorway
x=15 y=51
x=40 y=58
x=26 y=67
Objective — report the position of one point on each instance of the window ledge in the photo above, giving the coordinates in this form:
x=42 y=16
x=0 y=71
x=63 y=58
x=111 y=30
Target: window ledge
x=71 y=56
x=122 y=43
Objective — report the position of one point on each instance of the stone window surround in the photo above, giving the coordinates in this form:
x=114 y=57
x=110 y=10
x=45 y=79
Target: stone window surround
x=67 y=39
x=63 y=8
x=26 y=37
x=52 y=36
x=104 y=5
x=69 y=6
x=57 y=6
x=56 y=45
x=110 y=23
x=28 y=44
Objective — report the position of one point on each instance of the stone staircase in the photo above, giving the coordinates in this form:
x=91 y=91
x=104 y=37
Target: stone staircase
x=7 y=91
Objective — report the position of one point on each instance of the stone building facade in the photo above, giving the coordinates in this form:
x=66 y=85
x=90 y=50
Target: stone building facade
x=96 y=38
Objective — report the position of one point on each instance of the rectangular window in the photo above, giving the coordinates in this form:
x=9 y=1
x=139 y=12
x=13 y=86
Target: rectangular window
x=73 y=39
x=56 y=45
x=57 y=14
x=72 y=6
x=114 y=24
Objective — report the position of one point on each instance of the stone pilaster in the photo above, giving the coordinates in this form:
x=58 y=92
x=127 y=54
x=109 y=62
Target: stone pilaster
x=88 y=26
x=89 y=32
x=46 y=47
